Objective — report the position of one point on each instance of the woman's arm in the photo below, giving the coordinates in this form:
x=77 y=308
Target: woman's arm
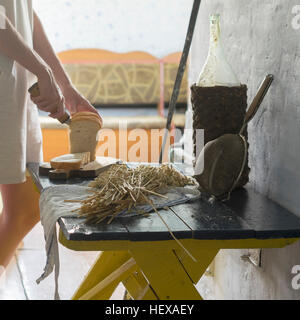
x=15 y=48
x=43 y=47
x=75 y=102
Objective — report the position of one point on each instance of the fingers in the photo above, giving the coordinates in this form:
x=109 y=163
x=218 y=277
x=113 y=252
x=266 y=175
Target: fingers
x=56 y=108
x=58 y=115
x=92 y=108
x=49 y=94
x=85 y=105
x=37 y=100
x=60 y=110
x=46 y=104
x=50 y=107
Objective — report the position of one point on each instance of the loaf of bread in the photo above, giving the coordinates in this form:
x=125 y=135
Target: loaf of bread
x=70 y=162
x=81 y=118
x=84 y=130
x=87 y=114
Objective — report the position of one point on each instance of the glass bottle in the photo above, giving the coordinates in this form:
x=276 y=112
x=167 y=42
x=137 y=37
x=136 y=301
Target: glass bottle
x=216 y=70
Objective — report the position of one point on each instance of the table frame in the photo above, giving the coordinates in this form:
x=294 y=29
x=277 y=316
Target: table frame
x=159 y=268
x=154 y=270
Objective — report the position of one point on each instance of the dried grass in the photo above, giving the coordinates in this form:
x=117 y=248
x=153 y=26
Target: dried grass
x=121 y=188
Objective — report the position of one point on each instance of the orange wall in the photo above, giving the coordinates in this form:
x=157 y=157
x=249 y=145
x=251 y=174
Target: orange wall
x=55 y=143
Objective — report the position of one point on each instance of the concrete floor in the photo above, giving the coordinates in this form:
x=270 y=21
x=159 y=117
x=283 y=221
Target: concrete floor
x=28 y=264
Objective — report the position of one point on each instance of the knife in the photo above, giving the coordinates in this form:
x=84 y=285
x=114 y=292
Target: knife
x=35 y=92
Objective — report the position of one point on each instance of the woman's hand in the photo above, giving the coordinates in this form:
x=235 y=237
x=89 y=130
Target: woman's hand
x=50 y=99
x=75 y=102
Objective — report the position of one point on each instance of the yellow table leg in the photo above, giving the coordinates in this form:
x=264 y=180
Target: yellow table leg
x=165 y=274
x=111 y=281
x=204 y=258
x=138 y=287
x=103 y=267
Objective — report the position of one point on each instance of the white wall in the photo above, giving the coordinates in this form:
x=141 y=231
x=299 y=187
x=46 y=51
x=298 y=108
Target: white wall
x=155 y=26
x=258 y=38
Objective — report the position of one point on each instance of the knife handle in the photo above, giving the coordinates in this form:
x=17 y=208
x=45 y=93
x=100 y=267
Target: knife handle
x=35 y=92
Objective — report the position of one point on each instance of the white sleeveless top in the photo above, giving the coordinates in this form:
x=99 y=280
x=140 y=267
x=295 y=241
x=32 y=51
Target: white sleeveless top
x=20 y=133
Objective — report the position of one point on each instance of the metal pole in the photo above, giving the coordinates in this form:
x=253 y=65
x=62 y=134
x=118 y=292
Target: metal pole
x=180 y=73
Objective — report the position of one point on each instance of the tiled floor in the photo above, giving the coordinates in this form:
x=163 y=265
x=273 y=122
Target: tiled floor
x=28 y=264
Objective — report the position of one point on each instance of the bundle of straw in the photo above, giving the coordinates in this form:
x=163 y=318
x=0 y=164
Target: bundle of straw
x=121 y=189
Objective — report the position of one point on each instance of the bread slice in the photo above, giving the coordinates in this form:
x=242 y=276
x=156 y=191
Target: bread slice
x=70 y=161
x=83 y=135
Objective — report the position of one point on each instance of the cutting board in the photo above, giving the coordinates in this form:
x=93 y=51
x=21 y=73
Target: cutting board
x=46 y=170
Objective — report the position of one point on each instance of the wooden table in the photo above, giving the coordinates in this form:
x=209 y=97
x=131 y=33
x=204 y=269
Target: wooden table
x=141 y=253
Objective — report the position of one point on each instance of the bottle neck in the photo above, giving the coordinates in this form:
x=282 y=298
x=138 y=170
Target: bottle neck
x=216 y=70
x=214 y=31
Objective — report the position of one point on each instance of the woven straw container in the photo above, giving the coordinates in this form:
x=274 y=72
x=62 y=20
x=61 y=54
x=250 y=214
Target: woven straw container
x=220 y=110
